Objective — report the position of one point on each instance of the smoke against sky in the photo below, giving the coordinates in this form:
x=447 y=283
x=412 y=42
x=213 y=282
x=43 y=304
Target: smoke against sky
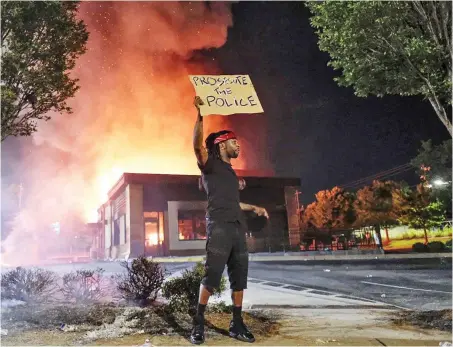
x=134 y=110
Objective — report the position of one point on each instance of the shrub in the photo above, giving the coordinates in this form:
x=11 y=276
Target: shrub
x=142 y=281
x=436 y=246
x=448 y=244
x=83 y=286
x=29 y=284
x=419 y=247
x=182 y=292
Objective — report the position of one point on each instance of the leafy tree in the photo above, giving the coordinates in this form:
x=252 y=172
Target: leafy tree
x=332 y=209
x=377 y=205
x=423 y=212
x=389 y=47
x=435 y=162
x=41 y=41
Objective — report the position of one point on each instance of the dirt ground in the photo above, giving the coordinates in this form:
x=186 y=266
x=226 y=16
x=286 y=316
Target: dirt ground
x=126 y=326
x=426 y=319
x=109 y=325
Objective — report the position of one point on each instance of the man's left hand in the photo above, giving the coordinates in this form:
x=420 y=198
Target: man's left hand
x=261 y=212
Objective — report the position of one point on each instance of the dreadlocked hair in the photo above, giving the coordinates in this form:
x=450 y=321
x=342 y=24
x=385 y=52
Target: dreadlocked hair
x=213 y=149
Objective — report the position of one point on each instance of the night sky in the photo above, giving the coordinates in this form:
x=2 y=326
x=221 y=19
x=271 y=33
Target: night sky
x=317 y=130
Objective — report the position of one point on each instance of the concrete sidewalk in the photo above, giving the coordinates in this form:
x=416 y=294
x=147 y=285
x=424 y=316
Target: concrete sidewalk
x=300 y=257
x=266 y=294
x=352 y=326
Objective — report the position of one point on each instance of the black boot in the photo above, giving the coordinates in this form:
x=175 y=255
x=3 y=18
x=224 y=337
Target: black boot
x=197 y=335
x=239 y=331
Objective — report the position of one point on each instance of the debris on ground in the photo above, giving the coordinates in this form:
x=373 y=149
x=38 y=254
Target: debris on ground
x=81 y=325
x=3 y=332
x=326 y=270
x=426 y=319
x=383 y=295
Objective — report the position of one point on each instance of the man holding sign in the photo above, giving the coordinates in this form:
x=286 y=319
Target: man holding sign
x=225 y=223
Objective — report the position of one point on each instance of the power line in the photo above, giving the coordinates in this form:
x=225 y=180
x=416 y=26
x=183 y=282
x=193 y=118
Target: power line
x=381 y=178
x=380 y=175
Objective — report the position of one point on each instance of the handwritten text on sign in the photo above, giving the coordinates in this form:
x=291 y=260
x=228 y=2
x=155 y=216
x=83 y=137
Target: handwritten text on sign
x=226 y=94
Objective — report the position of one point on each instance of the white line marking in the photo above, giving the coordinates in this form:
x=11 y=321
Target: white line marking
x=421 y=290
x=307 y=290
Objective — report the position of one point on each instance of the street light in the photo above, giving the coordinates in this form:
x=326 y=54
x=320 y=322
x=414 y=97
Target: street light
x=439 y=182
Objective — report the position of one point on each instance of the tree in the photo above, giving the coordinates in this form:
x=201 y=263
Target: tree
x=389 y=47
x=332 y=209
x=41 y=41
x=423 y=212
x=434 y=163
x=377 y=206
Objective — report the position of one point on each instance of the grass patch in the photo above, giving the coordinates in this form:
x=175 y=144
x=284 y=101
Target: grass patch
x=407 y=244
x=418 y=234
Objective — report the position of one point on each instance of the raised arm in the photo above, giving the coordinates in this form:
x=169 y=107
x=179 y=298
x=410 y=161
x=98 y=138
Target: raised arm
x=199 y=149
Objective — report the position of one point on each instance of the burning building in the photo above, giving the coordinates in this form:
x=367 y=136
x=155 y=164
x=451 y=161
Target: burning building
x=164 y=215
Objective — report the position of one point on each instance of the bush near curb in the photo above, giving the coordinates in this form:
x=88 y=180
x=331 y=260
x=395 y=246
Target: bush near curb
x=83 y=286
x=448 y=244
x=182 y=292
x=436 y=246
x=419 y=247
x=142 y=281
x=29 y=285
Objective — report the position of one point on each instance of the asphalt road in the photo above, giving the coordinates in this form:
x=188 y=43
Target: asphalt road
x=411 y=283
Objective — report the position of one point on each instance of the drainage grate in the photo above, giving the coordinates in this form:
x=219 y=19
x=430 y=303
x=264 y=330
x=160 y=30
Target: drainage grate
x=319 y=292
x=255 y=281
x=273 y=284
x=295 y=288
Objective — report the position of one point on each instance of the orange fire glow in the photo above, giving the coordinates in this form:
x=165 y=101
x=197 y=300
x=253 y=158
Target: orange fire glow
x=134 y=110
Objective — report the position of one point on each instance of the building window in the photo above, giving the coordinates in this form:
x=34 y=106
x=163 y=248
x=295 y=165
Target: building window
x=191 y=225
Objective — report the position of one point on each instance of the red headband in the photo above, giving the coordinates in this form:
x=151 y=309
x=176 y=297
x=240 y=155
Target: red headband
x=224 y=137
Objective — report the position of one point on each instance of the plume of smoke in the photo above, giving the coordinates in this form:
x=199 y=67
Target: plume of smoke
x=133 y=112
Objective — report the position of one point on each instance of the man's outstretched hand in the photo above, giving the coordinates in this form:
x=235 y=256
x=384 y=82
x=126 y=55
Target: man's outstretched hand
x=198 y=102
x=261 y=212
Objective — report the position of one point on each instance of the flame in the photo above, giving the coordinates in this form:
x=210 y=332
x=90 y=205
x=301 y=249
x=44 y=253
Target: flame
x=133 y=113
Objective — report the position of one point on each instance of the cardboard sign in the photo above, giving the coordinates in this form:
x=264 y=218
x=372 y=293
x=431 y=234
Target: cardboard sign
x=226 y=94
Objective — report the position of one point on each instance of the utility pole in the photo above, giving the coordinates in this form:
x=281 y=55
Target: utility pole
x=299 y=209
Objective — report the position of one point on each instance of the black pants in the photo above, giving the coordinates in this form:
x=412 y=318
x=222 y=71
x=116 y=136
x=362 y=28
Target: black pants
x=226 y=245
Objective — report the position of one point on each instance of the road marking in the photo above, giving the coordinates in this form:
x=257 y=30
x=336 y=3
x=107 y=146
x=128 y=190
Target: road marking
x=308 y=290
x=421 y=290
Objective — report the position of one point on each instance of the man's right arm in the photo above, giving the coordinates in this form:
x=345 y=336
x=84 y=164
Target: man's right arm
x=199 y=149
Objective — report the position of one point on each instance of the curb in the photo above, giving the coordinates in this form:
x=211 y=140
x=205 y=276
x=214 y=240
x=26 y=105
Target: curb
x=290 y=257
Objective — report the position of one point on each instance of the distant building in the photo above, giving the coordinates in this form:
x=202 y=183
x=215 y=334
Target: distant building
x=164 y=215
